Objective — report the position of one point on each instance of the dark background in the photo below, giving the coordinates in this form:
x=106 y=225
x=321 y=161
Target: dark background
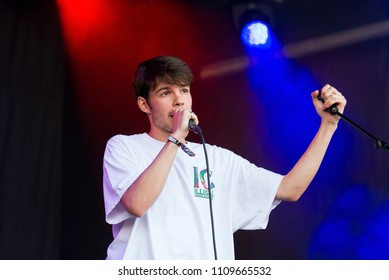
x=65 y=89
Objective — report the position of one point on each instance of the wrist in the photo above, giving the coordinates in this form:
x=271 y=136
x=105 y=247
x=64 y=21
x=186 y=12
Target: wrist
x=174 y=140
x=177 y=142
x=328 y=127
x=179 y=137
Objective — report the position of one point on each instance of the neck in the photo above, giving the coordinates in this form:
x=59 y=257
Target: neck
x=159 y=135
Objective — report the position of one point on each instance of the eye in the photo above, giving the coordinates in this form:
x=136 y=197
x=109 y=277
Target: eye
x=165 y=93
x=185 y=90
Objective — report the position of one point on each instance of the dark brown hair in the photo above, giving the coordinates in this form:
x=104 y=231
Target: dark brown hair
x=167 y=69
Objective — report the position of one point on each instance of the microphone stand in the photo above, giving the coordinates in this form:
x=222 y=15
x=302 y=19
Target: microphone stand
x=378 y=144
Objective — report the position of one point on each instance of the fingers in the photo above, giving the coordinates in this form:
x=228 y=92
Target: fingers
x=331 y=96
x=185 y=115
x=193 y=117
x=327 y=98
x=315 y=94
x=181 y=119
x=327 y=92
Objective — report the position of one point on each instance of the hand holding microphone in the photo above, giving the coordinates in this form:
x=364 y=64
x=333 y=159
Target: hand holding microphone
x=193 y=126
x=180 y=116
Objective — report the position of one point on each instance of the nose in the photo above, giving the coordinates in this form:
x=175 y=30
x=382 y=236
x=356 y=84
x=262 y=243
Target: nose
x=178 y=101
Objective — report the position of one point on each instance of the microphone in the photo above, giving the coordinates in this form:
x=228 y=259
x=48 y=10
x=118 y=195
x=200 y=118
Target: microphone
x=333 y=110
x=194 y=127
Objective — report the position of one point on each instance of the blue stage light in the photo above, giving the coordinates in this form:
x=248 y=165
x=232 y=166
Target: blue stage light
x=255 y=33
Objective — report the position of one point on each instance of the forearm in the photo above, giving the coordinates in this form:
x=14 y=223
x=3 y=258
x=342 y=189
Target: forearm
x=294 y=184
x=144 y=191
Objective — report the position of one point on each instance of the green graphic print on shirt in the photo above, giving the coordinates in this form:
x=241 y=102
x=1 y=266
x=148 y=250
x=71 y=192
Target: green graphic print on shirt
x=202 y=190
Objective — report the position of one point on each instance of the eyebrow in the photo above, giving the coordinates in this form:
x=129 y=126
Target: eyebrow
x=169 y=87
x=162 y=88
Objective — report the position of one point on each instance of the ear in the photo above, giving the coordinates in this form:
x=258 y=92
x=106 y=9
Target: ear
x=143 y=105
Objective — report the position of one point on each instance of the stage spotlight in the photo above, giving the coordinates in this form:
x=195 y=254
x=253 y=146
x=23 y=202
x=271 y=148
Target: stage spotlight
x=253 y=20
x=255 y=33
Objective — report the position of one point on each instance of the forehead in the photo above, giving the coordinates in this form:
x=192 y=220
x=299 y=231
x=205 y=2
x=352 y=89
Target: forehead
x=172 y=80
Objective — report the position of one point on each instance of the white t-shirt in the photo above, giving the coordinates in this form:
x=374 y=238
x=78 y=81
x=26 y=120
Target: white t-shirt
x=178 y=226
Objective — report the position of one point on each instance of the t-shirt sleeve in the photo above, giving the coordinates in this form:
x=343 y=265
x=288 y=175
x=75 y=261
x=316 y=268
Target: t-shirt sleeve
x=119 y=172
x=252 y=195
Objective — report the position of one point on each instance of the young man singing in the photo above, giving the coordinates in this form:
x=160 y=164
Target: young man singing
x=155 y=188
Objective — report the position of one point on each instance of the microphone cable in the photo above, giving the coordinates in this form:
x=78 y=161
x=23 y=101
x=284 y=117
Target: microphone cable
x=196 y=129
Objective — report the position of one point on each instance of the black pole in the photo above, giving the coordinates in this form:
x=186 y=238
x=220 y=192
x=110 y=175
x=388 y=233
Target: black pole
x=333 y=110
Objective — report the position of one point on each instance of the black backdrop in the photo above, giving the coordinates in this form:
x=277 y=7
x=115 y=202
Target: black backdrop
x=32 y=89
